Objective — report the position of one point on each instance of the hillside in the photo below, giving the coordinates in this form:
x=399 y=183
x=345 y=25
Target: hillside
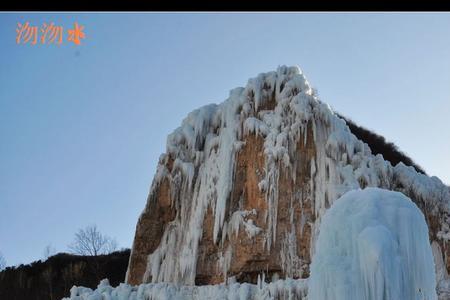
x=52 y=279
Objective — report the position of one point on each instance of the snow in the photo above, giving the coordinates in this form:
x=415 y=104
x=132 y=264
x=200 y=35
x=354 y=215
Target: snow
x=254 y=125
x=204 y=148
x=373 y=244
x=281 y=289
x=242 y=218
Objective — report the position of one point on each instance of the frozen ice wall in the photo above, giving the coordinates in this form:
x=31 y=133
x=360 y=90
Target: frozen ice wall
x=373 y=245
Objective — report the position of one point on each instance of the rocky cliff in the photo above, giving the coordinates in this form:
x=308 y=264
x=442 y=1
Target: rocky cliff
x=243 y=186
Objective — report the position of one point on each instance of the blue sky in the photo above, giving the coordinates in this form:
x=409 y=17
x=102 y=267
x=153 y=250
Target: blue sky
x=82 y=127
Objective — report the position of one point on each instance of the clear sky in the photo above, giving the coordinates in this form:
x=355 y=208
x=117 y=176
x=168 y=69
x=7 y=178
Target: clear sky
x=82 y=127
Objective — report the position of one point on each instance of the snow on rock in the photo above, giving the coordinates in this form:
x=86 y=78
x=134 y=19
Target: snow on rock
x=241 y=218
x=373 y=244
x=282 y=289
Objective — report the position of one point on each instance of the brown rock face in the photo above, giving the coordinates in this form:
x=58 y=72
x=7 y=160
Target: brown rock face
x=250 y=257
x=272 y=159
x=149 y=231
x=244 y=196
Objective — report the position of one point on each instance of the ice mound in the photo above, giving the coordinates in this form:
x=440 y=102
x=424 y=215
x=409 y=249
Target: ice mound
x=373 y=244
x=288 y=289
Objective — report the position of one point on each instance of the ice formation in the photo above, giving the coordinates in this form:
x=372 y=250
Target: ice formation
x=282 y=289
x=373 y=245
x=280 y=107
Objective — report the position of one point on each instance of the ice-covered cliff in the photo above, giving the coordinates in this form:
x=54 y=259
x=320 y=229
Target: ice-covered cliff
x=243 y=186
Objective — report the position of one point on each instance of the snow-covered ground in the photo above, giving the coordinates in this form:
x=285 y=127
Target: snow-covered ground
x=281 y=289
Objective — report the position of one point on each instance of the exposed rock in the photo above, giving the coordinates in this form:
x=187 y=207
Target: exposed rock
x=157 y=214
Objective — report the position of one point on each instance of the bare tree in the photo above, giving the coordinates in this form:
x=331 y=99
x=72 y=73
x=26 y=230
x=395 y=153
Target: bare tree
x=49 y=250
x=2 y=262
x=90 y=241
x=111 y=246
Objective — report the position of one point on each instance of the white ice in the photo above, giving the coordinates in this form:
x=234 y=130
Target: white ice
x=281 y=289
x=373 y=245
